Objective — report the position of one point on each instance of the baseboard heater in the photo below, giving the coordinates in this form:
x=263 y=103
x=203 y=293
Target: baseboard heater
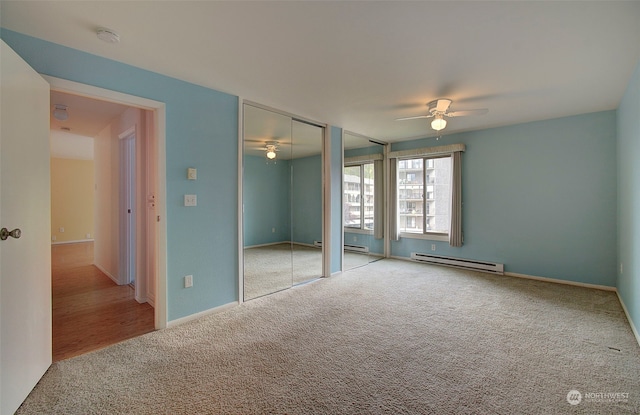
x=459 y=263
x=348 y=247
x=356 y=248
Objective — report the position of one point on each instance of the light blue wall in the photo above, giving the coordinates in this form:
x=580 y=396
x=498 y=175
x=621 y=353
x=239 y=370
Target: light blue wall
x=539 y=197
x=376 y=246
x=266 y=195
x=335 y=164
x=201 y=132
x=306 y=209
x=629 y=198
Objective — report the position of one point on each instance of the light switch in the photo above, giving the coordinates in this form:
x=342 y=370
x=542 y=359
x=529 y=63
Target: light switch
x=192 y=173
x=190 y=200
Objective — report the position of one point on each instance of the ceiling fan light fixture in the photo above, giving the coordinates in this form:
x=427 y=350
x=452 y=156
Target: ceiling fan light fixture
x=60 y=112
x=271 y=151
x=438 y=123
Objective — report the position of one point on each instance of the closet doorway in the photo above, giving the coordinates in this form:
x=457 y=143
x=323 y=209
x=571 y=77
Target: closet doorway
x=282 y=221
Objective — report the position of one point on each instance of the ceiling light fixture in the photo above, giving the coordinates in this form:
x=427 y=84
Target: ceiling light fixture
x=60 y=112
x=438 y=122
x=108 y=35
x=271 y=151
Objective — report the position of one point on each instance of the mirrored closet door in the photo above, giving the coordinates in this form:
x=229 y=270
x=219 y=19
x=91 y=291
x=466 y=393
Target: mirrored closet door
x=282 y=201
x=363 y=200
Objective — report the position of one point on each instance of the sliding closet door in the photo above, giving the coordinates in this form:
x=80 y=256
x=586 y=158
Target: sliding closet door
x=282 y=201
x=306 y=201
x=363 y=200
x=266 y=202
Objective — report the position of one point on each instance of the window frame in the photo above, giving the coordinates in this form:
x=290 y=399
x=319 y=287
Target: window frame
x=362 y=228
x=424 y=234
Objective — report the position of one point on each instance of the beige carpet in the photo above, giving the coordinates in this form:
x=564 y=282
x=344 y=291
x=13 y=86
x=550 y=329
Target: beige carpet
x=392 y=337
x=272 y=268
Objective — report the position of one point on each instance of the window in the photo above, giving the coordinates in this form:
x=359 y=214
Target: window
x=424 y=195
x=358 y=210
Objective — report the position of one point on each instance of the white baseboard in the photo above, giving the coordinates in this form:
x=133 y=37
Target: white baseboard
x=267 y=244
x=558 y=281
x=633 y=327
x=195 y=316
x=107 y=273
x=78 y=241
x=141 y=300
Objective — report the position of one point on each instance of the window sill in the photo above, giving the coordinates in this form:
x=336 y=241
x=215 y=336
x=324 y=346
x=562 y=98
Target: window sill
x=362 y=231
x=426 y=236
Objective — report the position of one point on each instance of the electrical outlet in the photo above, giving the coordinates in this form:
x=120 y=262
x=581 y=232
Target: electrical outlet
x=88 y=236
x=53 y=238
x=433 y=247
x=190 y=200
x=188 y=281
x=61 y=230
x=273 y=230
x=192 y=173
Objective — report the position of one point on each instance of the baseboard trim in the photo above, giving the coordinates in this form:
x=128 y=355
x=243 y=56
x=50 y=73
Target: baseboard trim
x=107 y=273
x=558 y=281
x=195 y=316
x=533 y=277
x=626 y=312
x=267 y=244
x=77 y=241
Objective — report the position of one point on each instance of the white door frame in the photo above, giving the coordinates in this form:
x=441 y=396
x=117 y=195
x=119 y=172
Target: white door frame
x=128 y=209
x=75 y=88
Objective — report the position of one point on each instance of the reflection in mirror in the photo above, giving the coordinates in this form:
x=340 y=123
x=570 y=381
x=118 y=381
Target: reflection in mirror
x=282 y=201
x=266 y=202
x=363 y=201
x=306 y=201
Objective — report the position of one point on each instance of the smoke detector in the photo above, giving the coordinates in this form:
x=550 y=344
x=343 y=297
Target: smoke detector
x=60 y=112
x=108 y=35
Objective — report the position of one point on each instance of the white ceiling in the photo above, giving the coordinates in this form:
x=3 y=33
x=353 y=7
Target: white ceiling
x=361 y=64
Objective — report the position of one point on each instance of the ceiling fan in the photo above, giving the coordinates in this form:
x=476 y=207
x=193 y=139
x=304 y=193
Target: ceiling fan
x=270 y=148
x=439 y=109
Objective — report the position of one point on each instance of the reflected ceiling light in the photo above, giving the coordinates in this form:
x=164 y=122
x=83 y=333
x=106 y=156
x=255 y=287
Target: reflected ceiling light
x=438 y=122
x=271 y=151
x=108 y=35
x=60 y=112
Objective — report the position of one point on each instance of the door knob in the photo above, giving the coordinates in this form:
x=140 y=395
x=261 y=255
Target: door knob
x=4 y=233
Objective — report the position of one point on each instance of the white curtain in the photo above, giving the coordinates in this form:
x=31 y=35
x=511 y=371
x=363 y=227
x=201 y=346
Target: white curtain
x=393 y=200
x=455 y=228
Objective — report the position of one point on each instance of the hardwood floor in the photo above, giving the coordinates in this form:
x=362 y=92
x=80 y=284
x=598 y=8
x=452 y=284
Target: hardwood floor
x=90 y=311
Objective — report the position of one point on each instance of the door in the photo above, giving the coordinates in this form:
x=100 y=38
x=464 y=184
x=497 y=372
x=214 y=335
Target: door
x=25 y=262
x=127 y=207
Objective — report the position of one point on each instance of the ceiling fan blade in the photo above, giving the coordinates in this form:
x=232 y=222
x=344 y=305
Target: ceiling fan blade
x=467 y=112
x=443 y=105
x=414 y=118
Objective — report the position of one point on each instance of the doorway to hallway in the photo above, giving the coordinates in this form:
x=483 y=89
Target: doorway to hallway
x=90 y=311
